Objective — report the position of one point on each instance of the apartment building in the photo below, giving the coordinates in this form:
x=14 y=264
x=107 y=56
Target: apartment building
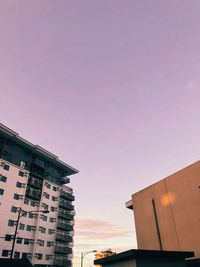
x=32 y=181
x=167 y=213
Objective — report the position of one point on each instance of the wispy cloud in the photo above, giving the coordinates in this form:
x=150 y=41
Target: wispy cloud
x=193 y=86
x=101 y=235
x=99 y=229
x=88 y=246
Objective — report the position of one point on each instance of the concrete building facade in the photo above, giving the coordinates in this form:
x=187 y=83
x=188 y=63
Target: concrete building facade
x=167 y=213
x=33 y=180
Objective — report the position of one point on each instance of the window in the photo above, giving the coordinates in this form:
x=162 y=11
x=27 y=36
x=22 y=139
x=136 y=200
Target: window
x=11 y=223
x=19 y=240
x=28 y=228
x=50 y=231
x=53 y=208
x=45 y=206
x=8 y=237
x=21 y=173
x=5 y=253
x=30 y=215
x=33 y=228
x=13 y=209
x=54 y=188
x=1 y=192
x=24 y=255
x=18 y=184
x=21 y=226
x=48 y=185
x=49 y=244
x=41 y=242
x=51 y=220
x=47 y=196
x=48 y=257
x=42 y=229
x=16 y=196
x=33 y=204
x=17 y=255
x=43 y=217
x=6 y=167
x=53 y=198
x=25 y=213
x=3 y=178
x=26 y=201
x=39 y=256
x=26 y=241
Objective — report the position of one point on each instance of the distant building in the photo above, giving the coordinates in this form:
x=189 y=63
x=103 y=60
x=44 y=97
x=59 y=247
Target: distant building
x=103 y=254
x=145 y=258
x=167 y=213
x=33 y=179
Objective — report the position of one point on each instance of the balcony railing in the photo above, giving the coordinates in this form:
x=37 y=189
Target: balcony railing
x=66 y=205
x=65 y=227
x=65 y=180
x=66 y=216
x=34 y=182
x=62 y=262
x=66 y=195
x=62 y=250
x=32 y=193
x=64 y=238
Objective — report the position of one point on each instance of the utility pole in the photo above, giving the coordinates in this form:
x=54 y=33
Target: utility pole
x=21 y=213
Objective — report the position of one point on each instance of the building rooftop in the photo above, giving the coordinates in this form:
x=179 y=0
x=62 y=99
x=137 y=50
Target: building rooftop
x=37 y=149
x=15 y=262
x=129 y=203
x=139 y=253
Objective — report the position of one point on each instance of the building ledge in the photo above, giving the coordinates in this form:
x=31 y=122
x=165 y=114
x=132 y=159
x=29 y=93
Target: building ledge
x=129 y=204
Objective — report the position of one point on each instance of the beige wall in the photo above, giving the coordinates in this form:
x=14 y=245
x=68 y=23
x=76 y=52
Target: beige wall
x=177 y=201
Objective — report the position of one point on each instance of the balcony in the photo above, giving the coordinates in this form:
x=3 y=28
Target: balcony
x=66 y=205
x=62 y=250
x=66 y=195
x=37 y=171
x=65 y=180
x=65 y=215
x=64 y=238
x=65 y=226
x=62 y=262
x=33 y=193
x=34 y=183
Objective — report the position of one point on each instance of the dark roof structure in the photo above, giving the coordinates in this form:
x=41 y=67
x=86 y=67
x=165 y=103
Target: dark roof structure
x=193 y=262
x=140 y=253
x=15 y=263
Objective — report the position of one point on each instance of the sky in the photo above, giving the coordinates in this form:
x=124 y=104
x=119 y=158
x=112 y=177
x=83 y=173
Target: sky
x=112 y=87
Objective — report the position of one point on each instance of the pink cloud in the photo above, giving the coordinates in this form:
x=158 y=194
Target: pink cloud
x=88 y=246
x=99 y=229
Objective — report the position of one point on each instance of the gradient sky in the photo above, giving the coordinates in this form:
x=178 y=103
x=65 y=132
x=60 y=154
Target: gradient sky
x=110 y=86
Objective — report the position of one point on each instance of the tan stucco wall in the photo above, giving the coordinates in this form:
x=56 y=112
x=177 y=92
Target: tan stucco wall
x=177 y=201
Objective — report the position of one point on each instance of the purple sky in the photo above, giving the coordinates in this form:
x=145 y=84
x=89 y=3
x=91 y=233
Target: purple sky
x=111 y=87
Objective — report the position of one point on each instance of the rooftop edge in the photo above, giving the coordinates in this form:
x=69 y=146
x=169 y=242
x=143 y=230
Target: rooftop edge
x=37 y=148
x=137 y=253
